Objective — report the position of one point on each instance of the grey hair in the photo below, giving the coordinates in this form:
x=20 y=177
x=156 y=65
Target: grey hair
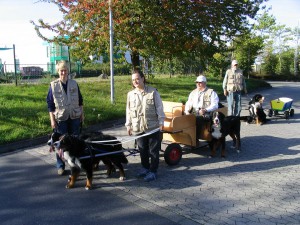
x=62 y=64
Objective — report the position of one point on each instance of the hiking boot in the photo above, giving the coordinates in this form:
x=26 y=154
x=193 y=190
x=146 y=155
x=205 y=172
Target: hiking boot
x=150 y=176
x=60 y=171
x=143 y=172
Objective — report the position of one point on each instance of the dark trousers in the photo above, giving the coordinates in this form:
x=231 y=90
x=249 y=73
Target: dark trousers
x=149 y=147
x=67 y=127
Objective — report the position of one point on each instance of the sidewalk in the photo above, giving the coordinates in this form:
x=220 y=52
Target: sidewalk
x=260 y=185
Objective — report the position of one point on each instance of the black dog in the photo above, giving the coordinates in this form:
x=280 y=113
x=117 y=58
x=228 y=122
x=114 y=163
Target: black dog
x=223 y=126
x=83 y=155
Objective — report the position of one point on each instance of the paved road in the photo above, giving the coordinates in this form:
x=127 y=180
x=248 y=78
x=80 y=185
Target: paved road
x=260 y=185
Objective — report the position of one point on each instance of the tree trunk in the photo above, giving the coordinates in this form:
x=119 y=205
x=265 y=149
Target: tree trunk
x=135 y=59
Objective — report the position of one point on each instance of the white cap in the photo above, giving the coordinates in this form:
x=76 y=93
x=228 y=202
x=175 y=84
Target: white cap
x=201 y=78
x=234 y=62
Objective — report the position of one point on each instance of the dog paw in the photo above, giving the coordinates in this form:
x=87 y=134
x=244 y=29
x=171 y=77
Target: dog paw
x=88 y=188
x=122 y=178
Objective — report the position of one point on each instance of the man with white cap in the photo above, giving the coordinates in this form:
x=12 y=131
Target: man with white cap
x=201 y=102
x=233 y=85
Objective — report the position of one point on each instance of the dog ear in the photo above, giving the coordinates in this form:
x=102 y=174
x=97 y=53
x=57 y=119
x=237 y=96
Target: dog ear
x=221 y=115
x=64 y=139
x=220 y=105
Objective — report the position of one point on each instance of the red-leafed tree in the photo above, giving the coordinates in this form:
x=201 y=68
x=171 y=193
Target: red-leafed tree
x=157 y=28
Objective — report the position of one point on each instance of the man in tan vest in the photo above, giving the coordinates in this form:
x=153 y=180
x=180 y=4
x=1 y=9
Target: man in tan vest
x=201 y=102
x=233 y=85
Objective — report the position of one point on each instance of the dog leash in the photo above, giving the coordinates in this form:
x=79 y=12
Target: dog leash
x=129 y=140
x=106 y=153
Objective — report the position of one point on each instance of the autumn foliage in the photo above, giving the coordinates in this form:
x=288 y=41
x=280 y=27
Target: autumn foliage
x=156 y=28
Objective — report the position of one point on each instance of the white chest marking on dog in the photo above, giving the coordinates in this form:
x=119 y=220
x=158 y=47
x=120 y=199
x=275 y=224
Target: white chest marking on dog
x=216 y=133
x=72 y=161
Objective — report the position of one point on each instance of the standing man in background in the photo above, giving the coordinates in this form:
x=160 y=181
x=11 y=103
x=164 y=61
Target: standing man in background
x=233 y=85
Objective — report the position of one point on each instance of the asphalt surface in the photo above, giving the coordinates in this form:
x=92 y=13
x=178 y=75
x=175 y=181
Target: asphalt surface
x=260 y=185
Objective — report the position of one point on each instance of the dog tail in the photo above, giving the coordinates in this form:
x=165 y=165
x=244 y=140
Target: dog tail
x=247 y=119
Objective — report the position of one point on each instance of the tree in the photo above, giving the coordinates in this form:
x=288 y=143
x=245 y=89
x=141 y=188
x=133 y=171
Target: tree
x=277 y=41
x=159 y=28
x=270 y=62
x=247 y=48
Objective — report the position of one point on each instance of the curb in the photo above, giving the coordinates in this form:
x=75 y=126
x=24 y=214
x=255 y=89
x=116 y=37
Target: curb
x=11 y=147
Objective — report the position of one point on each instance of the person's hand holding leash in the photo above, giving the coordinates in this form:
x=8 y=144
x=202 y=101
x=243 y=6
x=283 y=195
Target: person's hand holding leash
x=129 y=131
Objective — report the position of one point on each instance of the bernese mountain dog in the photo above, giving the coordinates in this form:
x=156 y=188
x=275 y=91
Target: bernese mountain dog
x=223 y=126
x=256 y=109
x=86 y=151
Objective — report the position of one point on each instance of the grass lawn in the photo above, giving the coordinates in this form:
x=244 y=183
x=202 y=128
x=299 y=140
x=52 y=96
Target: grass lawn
x=24 y=113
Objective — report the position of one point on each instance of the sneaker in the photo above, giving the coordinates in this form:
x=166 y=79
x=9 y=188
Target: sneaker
x=60 y=171
x=143 y=172
x=150 y=176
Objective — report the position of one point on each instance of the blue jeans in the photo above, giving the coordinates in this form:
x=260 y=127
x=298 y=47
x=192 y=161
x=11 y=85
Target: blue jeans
x=149 y=147
x=67 y=127
x=234 y=103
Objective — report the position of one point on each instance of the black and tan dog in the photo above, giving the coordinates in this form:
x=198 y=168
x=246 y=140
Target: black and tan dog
x=223 y=126
x=84 y=153
x=256 y=109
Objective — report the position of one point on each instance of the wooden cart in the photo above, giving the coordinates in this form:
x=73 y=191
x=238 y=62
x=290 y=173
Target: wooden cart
x=181 y=129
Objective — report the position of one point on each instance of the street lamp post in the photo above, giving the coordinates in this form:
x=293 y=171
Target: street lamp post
x=111 y=53
x=15 y=62
x=15 y=65
x=296 y=58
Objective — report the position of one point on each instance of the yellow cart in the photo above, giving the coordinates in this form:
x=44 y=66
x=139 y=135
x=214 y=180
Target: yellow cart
x=283 y=105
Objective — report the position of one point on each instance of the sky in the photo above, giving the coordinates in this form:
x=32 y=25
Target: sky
x=15 y=26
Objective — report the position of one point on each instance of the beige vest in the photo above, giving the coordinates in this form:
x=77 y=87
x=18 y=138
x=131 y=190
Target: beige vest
x=142 y=110
x=206 y=98
x=235 y=80
x=66 y=104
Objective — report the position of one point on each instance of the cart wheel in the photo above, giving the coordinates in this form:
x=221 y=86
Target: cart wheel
x=173 y=154
x=286 y=114
x=270 y=114
x=292 y=112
